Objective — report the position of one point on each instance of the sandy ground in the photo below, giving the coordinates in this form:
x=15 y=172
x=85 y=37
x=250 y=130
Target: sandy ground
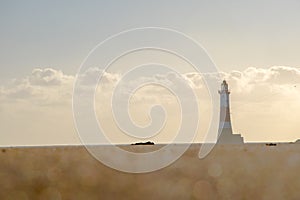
x=250 y=171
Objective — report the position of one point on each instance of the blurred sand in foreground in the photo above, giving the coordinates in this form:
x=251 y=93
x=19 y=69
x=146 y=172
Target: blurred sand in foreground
x=250 y=171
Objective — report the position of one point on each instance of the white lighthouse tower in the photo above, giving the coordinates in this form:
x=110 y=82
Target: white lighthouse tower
x=225 y=128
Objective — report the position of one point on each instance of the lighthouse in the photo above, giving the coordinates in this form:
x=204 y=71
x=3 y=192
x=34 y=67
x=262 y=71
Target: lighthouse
x=226 y=135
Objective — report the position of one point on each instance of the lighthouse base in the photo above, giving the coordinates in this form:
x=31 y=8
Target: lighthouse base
x=226 y=137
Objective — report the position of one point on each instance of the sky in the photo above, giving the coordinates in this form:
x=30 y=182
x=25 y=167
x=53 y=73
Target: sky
x=43 y=43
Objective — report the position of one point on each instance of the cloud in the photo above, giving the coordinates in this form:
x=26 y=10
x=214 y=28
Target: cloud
x=48 y=77
x=41 y=87
x=276 y=75
x=92 y=75
x=48 y=84
x=254 y=82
